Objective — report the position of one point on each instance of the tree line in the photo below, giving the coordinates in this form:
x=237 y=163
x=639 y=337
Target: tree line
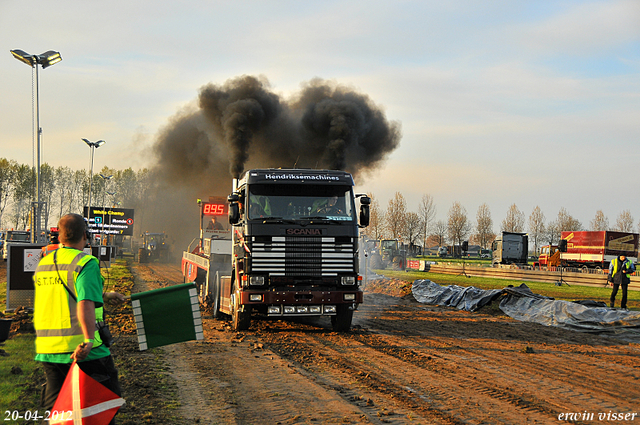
x=64 y=191
x=421 y=227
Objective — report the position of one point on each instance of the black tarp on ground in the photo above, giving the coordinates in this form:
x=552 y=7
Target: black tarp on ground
x=522 y=304
x=467 y=298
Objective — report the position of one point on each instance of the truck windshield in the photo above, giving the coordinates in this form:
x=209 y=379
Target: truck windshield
x=300 y=201
x=389 y=244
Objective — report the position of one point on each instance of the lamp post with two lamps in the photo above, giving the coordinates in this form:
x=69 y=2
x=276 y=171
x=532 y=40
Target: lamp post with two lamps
x=92 y=146
x=45 y=60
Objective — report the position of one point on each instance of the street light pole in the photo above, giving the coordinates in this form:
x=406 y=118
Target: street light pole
x=104 y=178
x=45 y=60
x=92 y=147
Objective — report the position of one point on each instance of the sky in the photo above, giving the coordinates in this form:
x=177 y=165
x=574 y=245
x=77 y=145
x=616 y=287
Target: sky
x=532 y=103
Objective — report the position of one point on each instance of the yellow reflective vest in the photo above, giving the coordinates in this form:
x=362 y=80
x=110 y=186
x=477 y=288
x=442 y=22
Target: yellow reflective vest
x=617 y=265
x=55 y=310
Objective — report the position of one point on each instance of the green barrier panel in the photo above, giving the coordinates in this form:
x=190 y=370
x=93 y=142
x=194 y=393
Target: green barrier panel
x=167 y=315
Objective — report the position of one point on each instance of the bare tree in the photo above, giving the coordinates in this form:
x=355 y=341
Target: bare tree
x=413 y=228
x=536 y=227
x=600 y=222
x=439 y=232
x=426 y=213
x=624 y=222
x=484 y=226
x=566 y=222
x=458 y=226
x=23 y=194
x=376 y=219
x=514 y=221
x=396 y=217
x=63 y=190
x=7 y=183
x=552 y=233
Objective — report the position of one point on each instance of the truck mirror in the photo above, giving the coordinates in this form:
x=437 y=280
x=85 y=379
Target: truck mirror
x=364 y=200
x=234 y=213
x=364 y=215
x=233 y=198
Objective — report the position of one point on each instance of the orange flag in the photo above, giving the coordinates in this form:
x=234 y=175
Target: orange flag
x=84 y=401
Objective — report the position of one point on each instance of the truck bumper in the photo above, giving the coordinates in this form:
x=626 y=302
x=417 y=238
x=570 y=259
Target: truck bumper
x=301 y=303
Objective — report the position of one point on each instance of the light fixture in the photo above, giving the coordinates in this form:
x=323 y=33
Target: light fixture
x=92 y=147
x=45 y=60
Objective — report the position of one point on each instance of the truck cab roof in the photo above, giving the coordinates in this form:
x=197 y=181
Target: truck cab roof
x=296 y=176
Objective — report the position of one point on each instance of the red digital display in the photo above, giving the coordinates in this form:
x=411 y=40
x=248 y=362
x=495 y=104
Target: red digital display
x=214 y=209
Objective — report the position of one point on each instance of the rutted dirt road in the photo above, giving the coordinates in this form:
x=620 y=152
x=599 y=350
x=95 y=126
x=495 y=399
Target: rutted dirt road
x=403 y=363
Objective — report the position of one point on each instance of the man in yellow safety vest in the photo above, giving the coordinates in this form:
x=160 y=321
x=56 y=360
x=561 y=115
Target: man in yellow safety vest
x=68 y=300
x=620 y=271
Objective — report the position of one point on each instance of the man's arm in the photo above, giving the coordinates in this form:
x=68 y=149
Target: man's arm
x=87 y=317
x=631 y=268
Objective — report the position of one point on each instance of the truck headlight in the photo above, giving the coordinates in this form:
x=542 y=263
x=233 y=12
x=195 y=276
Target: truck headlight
x=349 y=297
x=348 y=280
x=273 y=309
x=289 y=309
x=329 y=308
x=255 y=297
x=256 y=280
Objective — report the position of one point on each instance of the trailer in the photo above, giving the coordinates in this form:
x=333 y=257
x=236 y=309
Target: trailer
x=510 y=248
x=289 y=248
x=589 y=249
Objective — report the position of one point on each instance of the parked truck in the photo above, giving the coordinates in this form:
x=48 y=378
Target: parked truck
x=289 y=248
x=589 y=249
x=510 y=248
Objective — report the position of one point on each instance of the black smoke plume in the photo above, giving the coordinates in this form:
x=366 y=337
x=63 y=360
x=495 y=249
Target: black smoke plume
x=243 y=124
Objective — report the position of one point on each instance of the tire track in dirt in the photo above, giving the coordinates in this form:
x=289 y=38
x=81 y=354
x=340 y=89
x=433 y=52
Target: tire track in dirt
x=394 y=373
x=232 y=379
x=556 y=368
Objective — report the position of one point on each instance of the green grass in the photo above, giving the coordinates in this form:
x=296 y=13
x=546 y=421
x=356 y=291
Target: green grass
x=20 y=352
x=17 y=367
x=569 y=293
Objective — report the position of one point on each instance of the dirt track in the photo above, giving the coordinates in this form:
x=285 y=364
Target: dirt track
x=403 y=363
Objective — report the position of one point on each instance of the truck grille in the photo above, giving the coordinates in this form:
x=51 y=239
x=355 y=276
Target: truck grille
x=303 y=256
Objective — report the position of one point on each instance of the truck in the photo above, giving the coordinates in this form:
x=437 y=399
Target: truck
x=589 y=249
x=510 y=248
x=154 y=246
x=289 y=249
x=13 y=237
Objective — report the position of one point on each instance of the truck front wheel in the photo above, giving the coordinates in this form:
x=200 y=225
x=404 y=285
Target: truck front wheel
x=240 y=320
x=341 y=322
